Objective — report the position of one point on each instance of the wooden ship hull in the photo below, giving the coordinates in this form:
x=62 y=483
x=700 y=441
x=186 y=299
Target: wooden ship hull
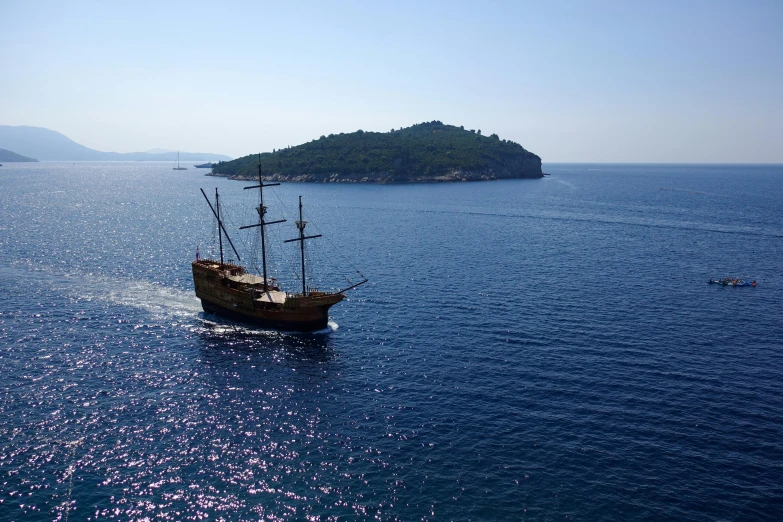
x=229 y=291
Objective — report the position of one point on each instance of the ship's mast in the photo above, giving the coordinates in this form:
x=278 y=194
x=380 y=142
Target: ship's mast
x=217 y=208
x=216 y=213
x=301 y=224
x=261 y=209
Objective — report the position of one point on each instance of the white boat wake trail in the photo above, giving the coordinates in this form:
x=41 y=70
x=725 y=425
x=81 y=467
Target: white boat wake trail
x=156 y=299
x=161 y=301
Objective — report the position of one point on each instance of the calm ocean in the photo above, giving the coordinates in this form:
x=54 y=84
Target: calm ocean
x=525 y=350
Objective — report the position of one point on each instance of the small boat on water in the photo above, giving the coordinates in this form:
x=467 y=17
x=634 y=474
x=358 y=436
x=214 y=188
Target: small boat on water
x=731 y=281
x=178 y=167
x=205 y=166
x=230 y=290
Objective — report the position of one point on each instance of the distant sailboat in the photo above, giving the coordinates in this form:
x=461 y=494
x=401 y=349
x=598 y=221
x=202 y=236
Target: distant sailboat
x=178 y=167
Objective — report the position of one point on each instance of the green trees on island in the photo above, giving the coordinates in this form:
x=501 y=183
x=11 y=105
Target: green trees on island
x=422 y=150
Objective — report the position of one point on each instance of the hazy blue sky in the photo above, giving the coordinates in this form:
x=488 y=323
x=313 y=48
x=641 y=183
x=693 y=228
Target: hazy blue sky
x=635 y=81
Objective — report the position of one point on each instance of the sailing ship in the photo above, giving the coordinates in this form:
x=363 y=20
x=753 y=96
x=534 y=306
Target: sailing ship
x=230 y=290
x=178 y=167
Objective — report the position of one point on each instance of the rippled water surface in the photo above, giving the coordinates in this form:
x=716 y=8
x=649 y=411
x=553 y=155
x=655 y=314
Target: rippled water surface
x=533 y=349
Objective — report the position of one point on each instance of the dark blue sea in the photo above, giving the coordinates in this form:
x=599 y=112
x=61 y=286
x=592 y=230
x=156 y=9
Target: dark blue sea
x=524 y=350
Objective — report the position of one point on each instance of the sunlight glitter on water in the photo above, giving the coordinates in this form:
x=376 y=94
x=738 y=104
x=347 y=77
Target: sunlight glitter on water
x=523 y=350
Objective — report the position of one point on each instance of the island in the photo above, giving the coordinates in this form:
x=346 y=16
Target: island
x=425 y=152
x=9 y=156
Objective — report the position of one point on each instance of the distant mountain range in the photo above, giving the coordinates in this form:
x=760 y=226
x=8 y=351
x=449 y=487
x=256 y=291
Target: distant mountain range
x=48 y=145
x=7 y=155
